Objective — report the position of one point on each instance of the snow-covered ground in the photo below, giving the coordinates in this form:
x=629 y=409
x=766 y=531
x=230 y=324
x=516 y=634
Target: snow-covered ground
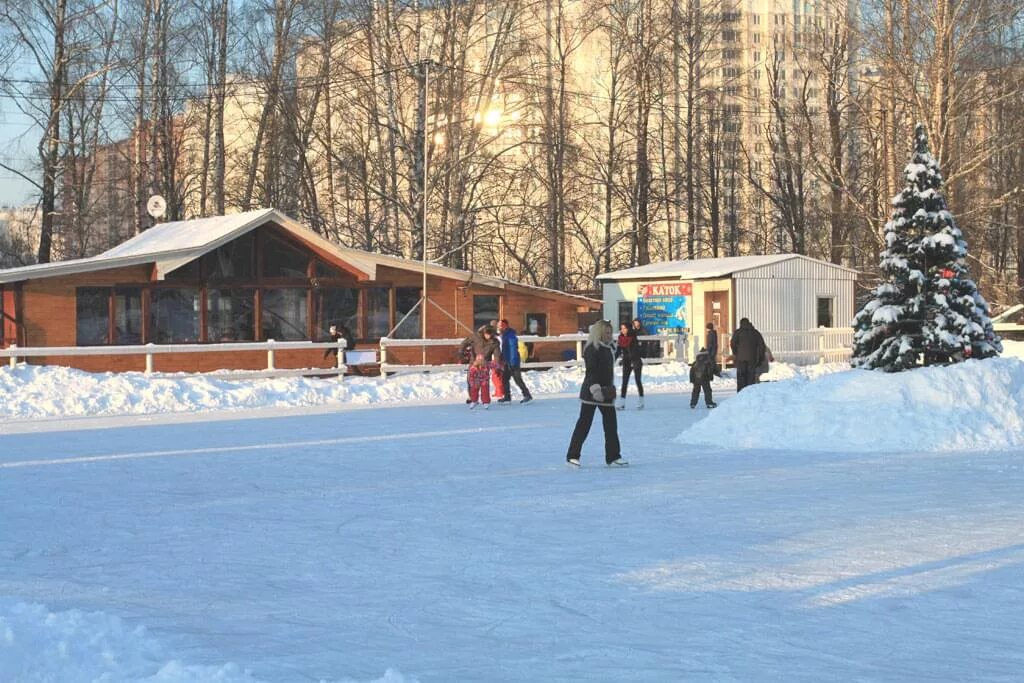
x=398 y=536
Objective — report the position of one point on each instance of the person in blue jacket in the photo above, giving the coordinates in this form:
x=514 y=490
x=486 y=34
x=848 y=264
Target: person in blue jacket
x=511 y=362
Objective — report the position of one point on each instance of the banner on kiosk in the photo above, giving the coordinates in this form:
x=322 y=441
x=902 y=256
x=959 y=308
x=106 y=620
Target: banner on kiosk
x=664 y=308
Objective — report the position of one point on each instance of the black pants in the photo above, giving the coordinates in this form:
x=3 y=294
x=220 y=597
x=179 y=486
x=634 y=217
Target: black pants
x=697 y=386
x=513 y=372
x=586 y=419
x=745 y=374
x=626 y=369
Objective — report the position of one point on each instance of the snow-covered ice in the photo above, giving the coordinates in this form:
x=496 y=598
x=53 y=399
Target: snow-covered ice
x=292 y=530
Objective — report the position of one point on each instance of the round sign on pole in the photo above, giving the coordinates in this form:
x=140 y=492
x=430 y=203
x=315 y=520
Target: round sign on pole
x=156 y=206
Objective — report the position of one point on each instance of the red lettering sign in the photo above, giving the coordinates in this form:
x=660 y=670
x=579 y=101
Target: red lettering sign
x=674 y=289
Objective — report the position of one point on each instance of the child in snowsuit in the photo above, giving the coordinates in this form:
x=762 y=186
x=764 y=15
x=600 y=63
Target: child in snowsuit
x=480 y=382
x=701 y=372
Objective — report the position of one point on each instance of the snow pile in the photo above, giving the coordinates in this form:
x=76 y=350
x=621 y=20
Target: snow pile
x=970 y=406
x=38 y=645
x=33 y=391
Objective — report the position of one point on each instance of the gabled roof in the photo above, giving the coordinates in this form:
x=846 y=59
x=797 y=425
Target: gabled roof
x=700 y=269
x=172 y=245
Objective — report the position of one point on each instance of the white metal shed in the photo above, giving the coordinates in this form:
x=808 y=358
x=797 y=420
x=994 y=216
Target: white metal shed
x=778 y=293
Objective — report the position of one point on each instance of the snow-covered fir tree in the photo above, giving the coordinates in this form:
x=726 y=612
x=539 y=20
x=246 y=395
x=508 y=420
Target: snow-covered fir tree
x=927 y=305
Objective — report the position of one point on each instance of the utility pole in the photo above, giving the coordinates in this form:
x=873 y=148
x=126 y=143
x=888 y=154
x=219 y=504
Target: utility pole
x=425 y=65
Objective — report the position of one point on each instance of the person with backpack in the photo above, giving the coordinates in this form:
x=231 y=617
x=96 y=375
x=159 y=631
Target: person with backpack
x=511 y=361
x=748 y=352
x=701 y=372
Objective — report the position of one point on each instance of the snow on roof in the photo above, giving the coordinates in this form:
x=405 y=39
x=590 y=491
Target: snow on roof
x=696 y=269
x=198 y=233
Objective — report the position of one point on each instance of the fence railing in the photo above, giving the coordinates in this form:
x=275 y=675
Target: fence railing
x=271 y=347
x=670 y=346
x=803 y=347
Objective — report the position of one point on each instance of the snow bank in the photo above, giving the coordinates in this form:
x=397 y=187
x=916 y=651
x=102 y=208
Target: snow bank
x=33 y=391
x=971 y=406
x=39 y=645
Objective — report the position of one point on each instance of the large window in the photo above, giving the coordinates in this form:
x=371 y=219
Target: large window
x=3 y=319
x=128 y=315
x=284 y=314
x=337 y=306
x=92 y=316
x=406 y=299
x=536 y=323
x=230 y=315
x=826 y=306
x=378 y=312
x=281 y=260
x=174 y=315
x=234 y=260
x=485 y=309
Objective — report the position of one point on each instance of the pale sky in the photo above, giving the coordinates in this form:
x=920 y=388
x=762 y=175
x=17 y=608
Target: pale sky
x=18 y=140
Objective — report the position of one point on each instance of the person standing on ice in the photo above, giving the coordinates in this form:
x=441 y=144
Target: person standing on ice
x=512 y=361
x=701 y=372
x=628 y=349
x=598 y=393
x=479 y=379
x=711 y=343
x=748 y=349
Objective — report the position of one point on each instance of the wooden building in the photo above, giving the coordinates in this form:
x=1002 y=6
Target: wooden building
x=256 y=276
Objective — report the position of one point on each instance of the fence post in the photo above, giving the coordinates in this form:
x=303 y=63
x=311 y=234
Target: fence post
x=383 y=357
x=14 y=359
x=149 y=360
x=341 y=356
x=579 y=349
x=270 y=355
x=821 y=348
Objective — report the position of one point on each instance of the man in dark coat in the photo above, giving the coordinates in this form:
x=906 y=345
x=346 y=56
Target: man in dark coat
x=511 y=362
x=748 y=350
x=701 y=372
x=712 y=347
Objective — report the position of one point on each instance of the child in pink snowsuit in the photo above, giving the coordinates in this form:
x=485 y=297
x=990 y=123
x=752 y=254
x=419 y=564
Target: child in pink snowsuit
x=480 y=382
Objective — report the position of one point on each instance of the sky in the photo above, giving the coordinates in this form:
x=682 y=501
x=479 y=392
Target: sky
x=18 y=139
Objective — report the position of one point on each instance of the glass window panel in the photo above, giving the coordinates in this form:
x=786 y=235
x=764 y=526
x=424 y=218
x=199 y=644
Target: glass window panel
x=625 y=313
x=283 y=260
x=378 y=312
x=825 y=311
x=338 y=306
x=92 y=316
x=406 y=299
x=187 y=273
x=536 y=323
x=234 y=260
x=128 y=316
x=325 y=271
x=230 y=315
x=174 y=315
x=3 y=320
x=284 y=314
x=485 y=309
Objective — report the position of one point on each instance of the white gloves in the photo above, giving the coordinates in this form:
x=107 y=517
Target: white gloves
x=595 y=391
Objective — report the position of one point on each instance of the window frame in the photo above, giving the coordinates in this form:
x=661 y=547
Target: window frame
x=831 y=299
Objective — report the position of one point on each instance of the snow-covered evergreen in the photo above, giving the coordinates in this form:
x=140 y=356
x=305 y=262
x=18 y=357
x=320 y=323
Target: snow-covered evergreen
x=927 y=305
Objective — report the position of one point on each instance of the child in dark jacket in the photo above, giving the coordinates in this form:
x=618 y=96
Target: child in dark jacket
x=480 y=382
x=701 y=372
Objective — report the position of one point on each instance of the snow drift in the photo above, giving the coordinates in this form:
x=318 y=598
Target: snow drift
x=971 y=406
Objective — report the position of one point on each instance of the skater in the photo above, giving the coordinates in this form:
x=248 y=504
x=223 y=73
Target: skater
x=628 y=349
x=597 y=392
x=748 y=351
x=638 y=330
x=511 y=364
x=491 y=351
x=479 y=379
x=701 y=372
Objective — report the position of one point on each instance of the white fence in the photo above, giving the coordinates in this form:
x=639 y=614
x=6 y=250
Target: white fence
x=805 y=347
x=801 y=347
x=14 y=352
x=670 y=346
